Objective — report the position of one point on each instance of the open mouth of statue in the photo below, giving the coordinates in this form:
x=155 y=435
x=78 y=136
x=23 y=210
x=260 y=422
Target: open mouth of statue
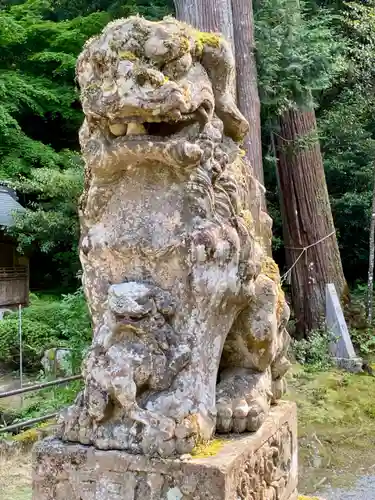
x=132 y=129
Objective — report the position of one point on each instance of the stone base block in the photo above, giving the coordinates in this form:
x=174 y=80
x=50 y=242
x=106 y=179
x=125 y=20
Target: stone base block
x=259 y=466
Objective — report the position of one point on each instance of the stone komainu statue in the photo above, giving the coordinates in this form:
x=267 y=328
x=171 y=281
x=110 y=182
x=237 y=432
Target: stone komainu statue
x=188 y=313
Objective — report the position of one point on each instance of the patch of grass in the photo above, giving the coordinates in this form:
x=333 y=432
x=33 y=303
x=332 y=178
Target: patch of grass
x=336 y=422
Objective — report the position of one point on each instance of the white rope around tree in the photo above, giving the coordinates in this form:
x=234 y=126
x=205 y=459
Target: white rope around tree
x=303 y=250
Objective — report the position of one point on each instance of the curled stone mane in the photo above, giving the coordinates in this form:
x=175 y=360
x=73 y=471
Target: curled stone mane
x=188 y=312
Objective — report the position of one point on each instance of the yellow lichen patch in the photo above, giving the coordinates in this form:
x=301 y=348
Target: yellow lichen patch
x=184 y=44
x=270 y=269
x=202 y=39
x=303 y=497
x=127 y=55
x=280 y=302
x=248 y=218
x=48 y=423
x=27 y=437
x=208 y=449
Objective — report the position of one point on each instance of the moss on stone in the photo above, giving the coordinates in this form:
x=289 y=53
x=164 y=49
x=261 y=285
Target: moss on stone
x=248 y=218
x=27 y=437
x=184 y=44
x=208 y=449
x=280 y=302
x=202 y=39
x=127 y=55
x=270 y=269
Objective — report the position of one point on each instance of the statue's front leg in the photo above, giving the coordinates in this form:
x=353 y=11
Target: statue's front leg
x=207 y=305
x=134 y=353
x=254 y=360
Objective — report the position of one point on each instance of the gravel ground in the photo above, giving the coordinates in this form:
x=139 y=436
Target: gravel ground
x=364 y=489
x=15 y=477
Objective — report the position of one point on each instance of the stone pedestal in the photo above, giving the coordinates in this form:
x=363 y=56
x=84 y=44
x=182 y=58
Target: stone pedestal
x=260 y=466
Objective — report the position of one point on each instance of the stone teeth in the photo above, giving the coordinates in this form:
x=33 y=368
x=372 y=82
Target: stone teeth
x=118 y=129
x=136 y=129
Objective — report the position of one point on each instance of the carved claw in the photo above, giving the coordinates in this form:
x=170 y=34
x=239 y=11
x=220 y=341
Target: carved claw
x=243 y=401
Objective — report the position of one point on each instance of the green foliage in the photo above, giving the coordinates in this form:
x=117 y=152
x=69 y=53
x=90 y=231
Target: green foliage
x=37 y=336
x=40 y=116
x=348 y=138
x=44 y=402
x=297 y=55
x=152 y=9
x=313 y=353
x=363 y=340
x=39 y=120
x=362 y=335
x=47 y=323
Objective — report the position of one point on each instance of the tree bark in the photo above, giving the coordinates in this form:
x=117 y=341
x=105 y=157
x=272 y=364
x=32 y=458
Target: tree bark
x=234 y=19
x=370 y=282
x=308 y=218
x=207 y=15
x=247 y=85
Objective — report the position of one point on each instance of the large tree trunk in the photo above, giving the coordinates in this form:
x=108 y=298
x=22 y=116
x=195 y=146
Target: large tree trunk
x=234 y=19
x=308 y=218
x=207 y=15
x=247 y=85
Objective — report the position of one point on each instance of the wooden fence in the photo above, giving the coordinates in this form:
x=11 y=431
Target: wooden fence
x=33 y=388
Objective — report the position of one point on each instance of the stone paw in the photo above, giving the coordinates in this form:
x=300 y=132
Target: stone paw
x=188 y=424
x=166 y=438
x=243 y=401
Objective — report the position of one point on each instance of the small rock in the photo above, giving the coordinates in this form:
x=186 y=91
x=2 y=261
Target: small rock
x=57 y=362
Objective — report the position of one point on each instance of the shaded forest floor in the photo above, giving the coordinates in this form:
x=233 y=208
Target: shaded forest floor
x=336 y=413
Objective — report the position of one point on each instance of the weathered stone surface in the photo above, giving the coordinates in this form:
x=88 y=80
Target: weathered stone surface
x=258 y=466
x=189 y=316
